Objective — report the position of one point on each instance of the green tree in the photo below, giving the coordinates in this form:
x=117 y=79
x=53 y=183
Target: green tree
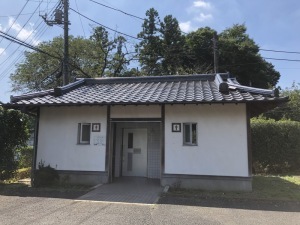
x=120 y=59
x=173 y=43
x=13 y=134
x=289 y=110
x=97 y=56
x=150 y=47
x=199 y=57
x=40 y=71
x=239 y=55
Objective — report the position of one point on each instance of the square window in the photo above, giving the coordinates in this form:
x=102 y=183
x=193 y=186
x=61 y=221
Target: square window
x=190 y=134
x=84 y=133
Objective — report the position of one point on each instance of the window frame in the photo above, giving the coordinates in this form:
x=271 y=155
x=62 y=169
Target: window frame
x=190 y=143
x=79 y=138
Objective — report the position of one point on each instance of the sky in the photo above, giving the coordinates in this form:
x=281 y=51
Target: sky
x=273 y=24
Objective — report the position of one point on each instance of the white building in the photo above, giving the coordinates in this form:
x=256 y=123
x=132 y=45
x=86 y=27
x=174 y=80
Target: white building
x=188 y=131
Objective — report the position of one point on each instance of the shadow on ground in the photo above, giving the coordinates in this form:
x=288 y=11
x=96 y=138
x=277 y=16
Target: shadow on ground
x=247 y=204
x=269 y=193
x=23 y=190
x=126 y=190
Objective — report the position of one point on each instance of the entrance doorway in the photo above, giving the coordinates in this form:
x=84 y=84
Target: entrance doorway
x=135 y=152
x=136 y=149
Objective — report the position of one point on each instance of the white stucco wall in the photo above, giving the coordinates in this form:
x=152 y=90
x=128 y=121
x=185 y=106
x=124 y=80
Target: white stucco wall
x=132 y=111
x=222 y=140
x=57 y=139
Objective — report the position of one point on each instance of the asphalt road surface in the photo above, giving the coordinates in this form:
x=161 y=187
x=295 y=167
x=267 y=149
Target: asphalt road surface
x=169 y=210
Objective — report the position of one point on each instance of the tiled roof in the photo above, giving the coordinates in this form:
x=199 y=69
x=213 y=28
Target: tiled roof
x=149 y=90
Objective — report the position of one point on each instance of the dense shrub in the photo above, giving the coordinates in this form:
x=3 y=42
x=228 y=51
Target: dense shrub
x=14 y=132
x=25 y=156
x=23 y=173
x=45 y=176
x=275 y=145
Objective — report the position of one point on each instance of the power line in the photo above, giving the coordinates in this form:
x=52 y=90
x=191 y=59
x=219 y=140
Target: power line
x=13 y=39
x=22 y=27
x=19 y=46
x=140 y=18
x=121 y=11
x=21 y=56
x=16 y=18
x=127 y=35
x=282 y=51
x=80 y=18
x=21 y=14
x=127 y=14
x=289 y=60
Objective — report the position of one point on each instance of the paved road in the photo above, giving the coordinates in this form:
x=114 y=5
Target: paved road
x=39 y=210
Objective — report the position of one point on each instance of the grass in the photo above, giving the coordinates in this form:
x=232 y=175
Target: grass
x=285 y=187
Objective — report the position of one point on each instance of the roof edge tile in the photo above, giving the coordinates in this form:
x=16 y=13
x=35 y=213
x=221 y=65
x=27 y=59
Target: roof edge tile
x=175 y=78
x=30 y=95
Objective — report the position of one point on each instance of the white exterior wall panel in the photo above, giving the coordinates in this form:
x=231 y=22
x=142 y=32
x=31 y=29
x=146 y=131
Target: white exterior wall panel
x=57 y=138
x=222 y=140
x=132 y=111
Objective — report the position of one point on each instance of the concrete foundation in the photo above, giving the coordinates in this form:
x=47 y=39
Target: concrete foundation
x=213 y=183
x=83 y=177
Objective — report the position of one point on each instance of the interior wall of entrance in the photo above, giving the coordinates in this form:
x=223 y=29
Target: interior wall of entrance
x=153 y=143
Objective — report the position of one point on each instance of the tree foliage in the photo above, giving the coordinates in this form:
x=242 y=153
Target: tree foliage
x=239 y=55
x=150 y=48
x=98 y=56
x=289 y=110
x=172 y=49
x=200 y=56
x=166 y=51
x=13 y=134
x=162 y=50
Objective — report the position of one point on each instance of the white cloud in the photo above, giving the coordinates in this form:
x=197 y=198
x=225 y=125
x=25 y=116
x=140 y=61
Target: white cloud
x=200 y=11
x=186 y=26
x=24 y=34
x=203 y=17
x=202 y=4
x=2 y=51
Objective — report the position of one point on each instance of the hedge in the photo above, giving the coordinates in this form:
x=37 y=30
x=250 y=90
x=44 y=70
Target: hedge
x=275 y=145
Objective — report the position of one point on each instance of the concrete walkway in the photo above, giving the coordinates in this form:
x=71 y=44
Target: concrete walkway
x=126 y=190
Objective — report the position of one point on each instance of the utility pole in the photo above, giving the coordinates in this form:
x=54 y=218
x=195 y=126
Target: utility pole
x=62 y=18
x=215 y=49
x=66 y=43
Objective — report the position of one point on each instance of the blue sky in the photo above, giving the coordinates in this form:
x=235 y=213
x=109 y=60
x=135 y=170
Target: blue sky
x=273 y=24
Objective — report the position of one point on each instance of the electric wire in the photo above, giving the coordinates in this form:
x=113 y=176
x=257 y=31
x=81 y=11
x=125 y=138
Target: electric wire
x=283 y=59
x=16 y=19
x=21 y=28
x=127 y=35
x=18 y=41
x=20 y=57
x=127 y=14
x=280 y=51
x=22 y=14
x=80 y=18
x=77 y=11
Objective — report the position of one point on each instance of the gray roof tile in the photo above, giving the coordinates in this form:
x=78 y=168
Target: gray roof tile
x=148 y=90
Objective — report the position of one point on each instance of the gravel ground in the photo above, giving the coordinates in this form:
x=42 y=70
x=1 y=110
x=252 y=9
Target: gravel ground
x=169 y=210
